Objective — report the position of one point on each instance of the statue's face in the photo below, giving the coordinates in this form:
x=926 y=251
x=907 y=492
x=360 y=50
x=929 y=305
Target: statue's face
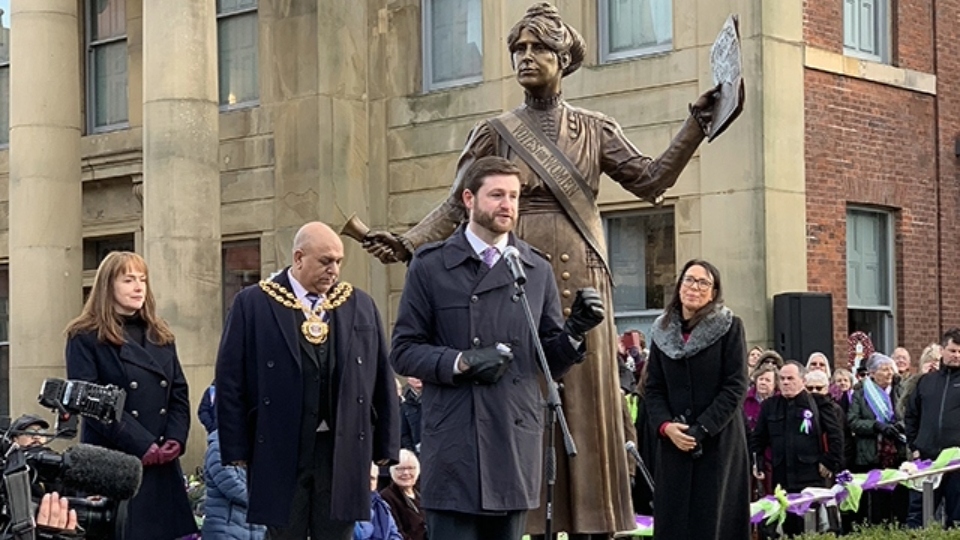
x=537 y=65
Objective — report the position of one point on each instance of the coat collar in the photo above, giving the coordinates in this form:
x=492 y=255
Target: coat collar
x=145 y=356
x=705 y=333
x=457 y=250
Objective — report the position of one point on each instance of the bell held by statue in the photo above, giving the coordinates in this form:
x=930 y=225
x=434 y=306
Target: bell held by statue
x=354 y=228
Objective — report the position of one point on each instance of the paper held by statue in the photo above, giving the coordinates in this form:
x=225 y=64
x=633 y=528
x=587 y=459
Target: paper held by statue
x=726 y=64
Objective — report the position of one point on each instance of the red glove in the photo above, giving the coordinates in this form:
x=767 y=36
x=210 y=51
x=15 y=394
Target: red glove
x=152 y=457
x=169 y=451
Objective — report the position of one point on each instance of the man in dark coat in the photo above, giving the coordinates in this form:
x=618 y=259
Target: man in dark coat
x=410 y=412
x=933 y=424
x=305 y=395
x=462 y=331
x=805 y=435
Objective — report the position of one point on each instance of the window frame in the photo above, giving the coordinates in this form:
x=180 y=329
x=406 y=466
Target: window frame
x=426 y=46
x=603 y=31
x=651 y=313
x=91 y=46
x=889 y=270
x=225 y=107
x=884 y=29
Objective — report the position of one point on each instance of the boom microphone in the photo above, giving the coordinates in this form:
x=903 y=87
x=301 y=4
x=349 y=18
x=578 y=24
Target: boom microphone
x=631 y=448
x=512 y=257
x=99 y=471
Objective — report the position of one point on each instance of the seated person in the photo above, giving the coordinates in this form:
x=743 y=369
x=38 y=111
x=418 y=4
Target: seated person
x=404 y=499
x=381 y=525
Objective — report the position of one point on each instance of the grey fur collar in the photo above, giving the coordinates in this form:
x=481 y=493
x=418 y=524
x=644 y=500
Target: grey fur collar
x=706 y=333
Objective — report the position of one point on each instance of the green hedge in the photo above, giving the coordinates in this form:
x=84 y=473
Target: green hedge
x=890 y=532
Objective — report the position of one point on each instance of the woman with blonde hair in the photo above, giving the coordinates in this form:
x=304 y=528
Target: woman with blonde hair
x=119 y=339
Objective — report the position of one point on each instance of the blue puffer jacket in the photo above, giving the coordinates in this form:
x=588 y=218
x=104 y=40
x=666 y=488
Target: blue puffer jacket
x=226 y=504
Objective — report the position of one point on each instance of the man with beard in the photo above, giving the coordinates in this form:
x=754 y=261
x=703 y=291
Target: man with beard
x=462 y=331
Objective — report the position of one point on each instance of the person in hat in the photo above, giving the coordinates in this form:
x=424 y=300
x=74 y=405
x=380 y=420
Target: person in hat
x=29 y=431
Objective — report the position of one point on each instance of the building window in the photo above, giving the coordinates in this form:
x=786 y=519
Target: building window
x=241 y=267
x=452 y=43
x=96 y=249
x=631 y=28
x=870 y=274
x=866 y=29
x=4 y=72
x=106 y=64
x=237 y=46
x=642 y=256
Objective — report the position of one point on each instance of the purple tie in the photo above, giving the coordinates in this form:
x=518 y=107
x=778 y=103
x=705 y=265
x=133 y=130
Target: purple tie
x=490 y=256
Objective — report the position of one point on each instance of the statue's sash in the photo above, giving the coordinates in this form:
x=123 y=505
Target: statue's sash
x=557 y=172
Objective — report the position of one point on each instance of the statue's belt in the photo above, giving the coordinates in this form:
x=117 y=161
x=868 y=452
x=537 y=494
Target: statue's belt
x=557 y=172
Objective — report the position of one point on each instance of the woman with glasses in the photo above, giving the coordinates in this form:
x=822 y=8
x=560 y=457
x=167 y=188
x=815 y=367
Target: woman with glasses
x=404 y=498
x=697 y=383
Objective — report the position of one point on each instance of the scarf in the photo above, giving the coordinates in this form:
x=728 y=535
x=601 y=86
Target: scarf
x=878 y=401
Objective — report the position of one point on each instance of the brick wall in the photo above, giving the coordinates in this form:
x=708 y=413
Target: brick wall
x=874 y=145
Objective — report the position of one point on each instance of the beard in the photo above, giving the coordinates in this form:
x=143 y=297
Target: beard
x=488 y=220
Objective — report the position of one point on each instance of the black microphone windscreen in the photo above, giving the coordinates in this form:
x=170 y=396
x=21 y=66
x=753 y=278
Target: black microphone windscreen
x=99 y=471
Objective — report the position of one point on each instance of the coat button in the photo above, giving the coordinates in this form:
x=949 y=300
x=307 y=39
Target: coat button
x=163 y=412
x=476 y=342
x=474 y=299
x=359 y=400
x=163 y=384
x=564 y=257
x=266 y=401
x=517 y=422
x=566 y=293
x=515 y=298
x=361 y=436
x=269 y=363
x=516 y=380
x=133 y=385
x=359 y=360
x=566 y=312
x=260 y=439
x=135 y=414
x=565 y=275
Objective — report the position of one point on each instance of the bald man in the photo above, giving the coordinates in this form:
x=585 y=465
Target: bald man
x=305 y=394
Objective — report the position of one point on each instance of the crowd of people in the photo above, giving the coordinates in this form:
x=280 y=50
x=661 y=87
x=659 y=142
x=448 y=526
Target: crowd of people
x=803 y=424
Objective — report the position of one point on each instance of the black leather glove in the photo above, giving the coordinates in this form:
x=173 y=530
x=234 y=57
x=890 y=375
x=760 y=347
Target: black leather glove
x=487 y=365
x=699 y=433
x=891 y=432
x=586 y=312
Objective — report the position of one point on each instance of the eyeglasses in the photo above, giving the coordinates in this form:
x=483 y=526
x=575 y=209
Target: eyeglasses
x=816 y=388
x=695 y=283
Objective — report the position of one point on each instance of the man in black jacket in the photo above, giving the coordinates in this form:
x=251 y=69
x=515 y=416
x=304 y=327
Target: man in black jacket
x=933 y=423
x=805 y=435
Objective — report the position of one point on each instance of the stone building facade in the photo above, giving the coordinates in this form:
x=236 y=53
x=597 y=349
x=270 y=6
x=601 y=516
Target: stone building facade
x=204 y=136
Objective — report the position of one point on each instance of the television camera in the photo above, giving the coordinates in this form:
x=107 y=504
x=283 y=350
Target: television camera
x=95 y=480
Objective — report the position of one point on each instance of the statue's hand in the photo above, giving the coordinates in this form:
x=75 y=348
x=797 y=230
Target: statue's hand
x=703 y=106
x=386 y=246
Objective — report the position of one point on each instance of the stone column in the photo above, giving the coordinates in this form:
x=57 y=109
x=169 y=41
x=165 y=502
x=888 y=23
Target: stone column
x=45 y=200
x=181 y=179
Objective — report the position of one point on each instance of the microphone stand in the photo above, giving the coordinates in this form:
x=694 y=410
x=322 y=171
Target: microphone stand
x=554 y=416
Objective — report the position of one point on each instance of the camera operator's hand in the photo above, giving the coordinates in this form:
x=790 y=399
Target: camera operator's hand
x=55 y=513
x=586 y=312
x=169 y=451
x=152 y=457
x=486 y=365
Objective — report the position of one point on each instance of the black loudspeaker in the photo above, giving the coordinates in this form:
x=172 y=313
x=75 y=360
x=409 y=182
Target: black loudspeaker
x=803 y=324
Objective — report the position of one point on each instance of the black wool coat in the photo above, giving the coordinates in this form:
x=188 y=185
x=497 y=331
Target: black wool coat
x=797 y=454
x=481 y=444
x=703 y=379
x=157 y=409
x=260 y=393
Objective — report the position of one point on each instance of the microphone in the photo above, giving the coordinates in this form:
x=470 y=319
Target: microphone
x=512 y=257
x=632 y=450
x=99 y=471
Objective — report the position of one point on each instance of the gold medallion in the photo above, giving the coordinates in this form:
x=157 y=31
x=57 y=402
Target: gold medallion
x=315 y=330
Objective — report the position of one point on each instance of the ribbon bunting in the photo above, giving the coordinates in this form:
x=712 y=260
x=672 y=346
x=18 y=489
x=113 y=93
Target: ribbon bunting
x=846 y=492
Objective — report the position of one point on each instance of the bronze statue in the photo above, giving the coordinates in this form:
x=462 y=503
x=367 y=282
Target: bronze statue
x=561 y=151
